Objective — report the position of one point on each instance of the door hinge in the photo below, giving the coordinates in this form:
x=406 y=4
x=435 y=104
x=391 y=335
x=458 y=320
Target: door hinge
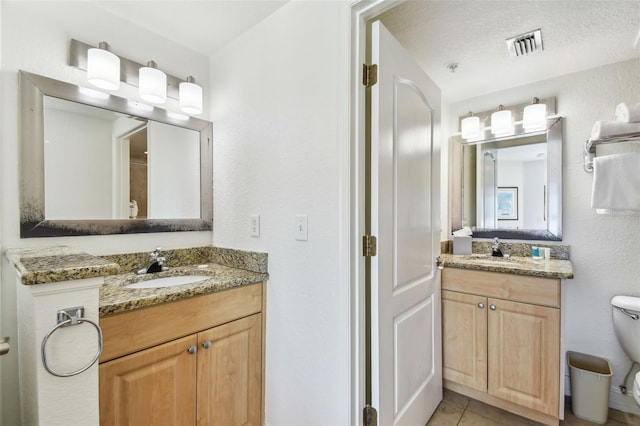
x=369 y=75
x=369 y=245
x=370 y=416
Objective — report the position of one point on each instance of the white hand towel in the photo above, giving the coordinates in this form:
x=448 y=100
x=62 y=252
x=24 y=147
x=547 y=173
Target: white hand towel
x=616 y=183
x=602 y=129
x=628 y=114
x=464 y=232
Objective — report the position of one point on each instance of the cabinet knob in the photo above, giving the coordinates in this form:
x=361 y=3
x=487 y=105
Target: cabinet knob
x=192 y=349
x=206 y=344
x=492 y=307
x=481 y=305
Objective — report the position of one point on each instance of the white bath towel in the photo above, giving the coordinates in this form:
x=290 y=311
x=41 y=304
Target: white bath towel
x=603 y=129
x=616 y=184
x=628 y=113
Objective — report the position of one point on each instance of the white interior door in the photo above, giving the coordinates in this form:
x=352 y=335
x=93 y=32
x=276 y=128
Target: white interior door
x=406 y=376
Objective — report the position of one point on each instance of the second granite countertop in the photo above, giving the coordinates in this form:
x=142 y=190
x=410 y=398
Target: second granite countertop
x=115 y=298
x=551 y=268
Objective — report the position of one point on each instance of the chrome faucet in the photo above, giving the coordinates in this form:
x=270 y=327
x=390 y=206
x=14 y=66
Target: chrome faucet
x=156 y=263
x=496 y=252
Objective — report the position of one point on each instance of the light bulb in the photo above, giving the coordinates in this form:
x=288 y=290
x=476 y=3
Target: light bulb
x=501 y=122
x=534 y=116
x=103 y=67
x=190 y=96
x=470 y=127
x=152 y=84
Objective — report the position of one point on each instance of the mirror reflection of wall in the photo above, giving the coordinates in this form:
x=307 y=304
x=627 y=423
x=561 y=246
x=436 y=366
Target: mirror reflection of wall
x=98 y=162
x=174 y=172
x=494 y=170
x=77 y=161
x=524 y=168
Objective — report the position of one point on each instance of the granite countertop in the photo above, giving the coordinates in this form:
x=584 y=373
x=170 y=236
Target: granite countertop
x=115 y=298
x=226 y=268
x=41 y=265
x=552 y=268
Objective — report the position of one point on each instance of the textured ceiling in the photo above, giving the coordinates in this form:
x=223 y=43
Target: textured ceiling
x=577 y=35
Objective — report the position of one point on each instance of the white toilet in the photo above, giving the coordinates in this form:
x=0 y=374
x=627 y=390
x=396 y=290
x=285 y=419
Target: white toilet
x=626 y=323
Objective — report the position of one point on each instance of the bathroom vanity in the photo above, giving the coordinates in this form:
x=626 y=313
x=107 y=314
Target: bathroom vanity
x=501 y=332
x=197 y=360
x=186 y=353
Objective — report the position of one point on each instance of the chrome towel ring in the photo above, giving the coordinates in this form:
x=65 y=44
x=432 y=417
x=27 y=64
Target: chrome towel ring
x=68 y=317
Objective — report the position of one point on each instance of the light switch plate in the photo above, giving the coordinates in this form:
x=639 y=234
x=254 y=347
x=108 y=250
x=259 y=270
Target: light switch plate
x=301 y=227
x=255 y=225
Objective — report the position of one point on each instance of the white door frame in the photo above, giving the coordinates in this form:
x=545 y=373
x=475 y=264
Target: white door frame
x=120 y=171
x=361 y=12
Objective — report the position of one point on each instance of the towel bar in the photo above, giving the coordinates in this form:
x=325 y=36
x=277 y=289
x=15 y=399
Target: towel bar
x=590 y=147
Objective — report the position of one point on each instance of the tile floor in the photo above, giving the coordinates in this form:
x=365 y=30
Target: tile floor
x=459 y=410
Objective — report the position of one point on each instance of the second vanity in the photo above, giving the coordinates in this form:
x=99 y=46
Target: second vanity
x=184 y=354
x=501 y=332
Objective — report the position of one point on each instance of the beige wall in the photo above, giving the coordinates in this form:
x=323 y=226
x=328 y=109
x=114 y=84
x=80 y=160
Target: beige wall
x=280 y=150
x=604 y=249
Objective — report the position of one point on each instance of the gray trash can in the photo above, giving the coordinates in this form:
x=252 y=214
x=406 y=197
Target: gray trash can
x=590 y=381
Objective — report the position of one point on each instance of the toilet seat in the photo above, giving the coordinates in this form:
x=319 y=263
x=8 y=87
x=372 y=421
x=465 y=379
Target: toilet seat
x=636 y=388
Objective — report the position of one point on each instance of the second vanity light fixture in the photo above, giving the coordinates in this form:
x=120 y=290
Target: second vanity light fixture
x=105 y=70
x=504 y=121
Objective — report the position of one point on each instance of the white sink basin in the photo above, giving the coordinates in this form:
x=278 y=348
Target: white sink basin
x=169 y=281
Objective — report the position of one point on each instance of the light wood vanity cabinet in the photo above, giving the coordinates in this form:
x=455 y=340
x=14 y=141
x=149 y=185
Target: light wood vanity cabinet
x=501 y=340
x=154 y=386
x=213 y=376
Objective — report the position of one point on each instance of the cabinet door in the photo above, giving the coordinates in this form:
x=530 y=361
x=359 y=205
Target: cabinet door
x=155 y=386
x=464 y=339
x=230 y=373
x=524 y=346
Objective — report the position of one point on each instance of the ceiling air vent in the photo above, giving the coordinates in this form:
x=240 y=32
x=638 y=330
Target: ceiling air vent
x=525 y=44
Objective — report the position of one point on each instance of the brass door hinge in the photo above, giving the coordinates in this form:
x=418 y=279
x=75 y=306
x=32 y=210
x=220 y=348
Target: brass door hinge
x=369 y=245
x=369 y=75
x=370 y=416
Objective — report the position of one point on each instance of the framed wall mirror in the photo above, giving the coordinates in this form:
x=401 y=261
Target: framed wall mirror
x=509 y=187
x=92 y=163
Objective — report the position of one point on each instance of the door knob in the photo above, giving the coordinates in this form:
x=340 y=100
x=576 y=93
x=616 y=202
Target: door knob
x=192 y=349
x=206 y=344
x=481 y=305
x=492 y=307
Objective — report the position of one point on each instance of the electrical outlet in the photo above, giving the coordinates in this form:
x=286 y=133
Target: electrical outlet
x=301 y=227
x=255 y=225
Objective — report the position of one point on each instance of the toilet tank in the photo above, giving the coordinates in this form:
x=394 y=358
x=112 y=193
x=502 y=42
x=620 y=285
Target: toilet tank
x=627 y=328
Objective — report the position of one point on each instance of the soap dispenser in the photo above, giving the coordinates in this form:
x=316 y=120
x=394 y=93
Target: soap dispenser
x=496 y=252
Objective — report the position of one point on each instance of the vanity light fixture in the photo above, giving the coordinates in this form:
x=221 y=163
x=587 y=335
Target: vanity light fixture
x=103 y=67
x=152 y=84
x=513 y=118
x=470 y=127
x=501 y=122
x=534 y=116
x=190 y=96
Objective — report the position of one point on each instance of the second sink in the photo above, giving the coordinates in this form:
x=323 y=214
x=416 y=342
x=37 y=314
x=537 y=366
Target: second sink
x=168 y=281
